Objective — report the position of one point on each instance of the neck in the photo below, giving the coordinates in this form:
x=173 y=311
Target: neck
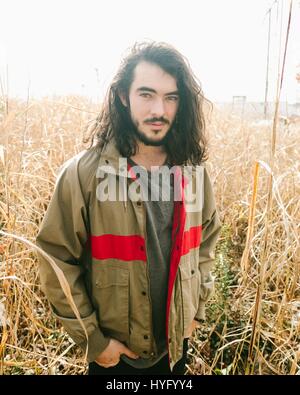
x=148 y=156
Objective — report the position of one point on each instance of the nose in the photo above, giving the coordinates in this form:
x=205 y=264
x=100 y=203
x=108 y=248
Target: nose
x=158 y=108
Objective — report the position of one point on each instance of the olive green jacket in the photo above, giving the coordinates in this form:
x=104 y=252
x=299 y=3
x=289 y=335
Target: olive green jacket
x=101 y=248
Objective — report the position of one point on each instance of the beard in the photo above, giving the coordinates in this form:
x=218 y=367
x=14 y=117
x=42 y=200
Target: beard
x=141 y=136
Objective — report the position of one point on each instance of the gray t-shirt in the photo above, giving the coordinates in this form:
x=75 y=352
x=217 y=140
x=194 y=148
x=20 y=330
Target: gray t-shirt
x=159 y=231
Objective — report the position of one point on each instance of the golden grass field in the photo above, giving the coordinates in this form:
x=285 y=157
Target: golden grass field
x=253 y=319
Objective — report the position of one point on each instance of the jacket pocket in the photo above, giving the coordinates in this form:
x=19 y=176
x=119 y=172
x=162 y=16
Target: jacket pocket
x=190 y=287
x=112 y=296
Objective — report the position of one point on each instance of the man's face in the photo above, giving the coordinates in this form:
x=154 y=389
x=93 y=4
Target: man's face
x=154 y=101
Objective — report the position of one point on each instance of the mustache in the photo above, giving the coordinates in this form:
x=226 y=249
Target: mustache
x=161 y=119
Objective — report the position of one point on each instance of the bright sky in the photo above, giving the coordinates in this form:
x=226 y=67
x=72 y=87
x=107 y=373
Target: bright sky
x=75 y=46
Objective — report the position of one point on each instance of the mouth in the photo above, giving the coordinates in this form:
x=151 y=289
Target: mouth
x=156 y=125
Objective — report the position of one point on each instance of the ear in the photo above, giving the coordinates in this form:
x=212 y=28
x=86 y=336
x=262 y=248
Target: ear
x=123 y=99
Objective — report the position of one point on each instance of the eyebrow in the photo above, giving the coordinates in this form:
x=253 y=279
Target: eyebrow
x=146 y=89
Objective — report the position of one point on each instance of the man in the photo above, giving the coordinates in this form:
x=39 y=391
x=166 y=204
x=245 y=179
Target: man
x=139 y=269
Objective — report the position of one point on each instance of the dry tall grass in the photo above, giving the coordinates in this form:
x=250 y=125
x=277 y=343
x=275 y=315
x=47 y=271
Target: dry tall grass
x=38 y=136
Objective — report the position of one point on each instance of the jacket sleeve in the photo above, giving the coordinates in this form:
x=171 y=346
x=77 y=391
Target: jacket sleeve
x=211 y=227
x=63 y=235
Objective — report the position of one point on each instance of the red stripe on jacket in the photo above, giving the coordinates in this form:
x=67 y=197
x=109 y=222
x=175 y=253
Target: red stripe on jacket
x=177 y=237
x=191 y=239
x=183 y=242
x=125 y=248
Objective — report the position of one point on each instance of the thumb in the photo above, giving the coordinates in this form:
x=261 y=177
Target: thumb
x=130 y=353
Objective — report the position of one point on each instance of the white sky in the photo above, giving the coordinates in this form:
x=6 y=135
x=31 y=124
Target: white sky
x=57 y=45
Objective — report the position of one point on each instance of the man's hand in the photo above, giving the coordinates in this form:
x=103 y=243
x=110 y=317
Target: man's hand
x=195 y=324
x=111 y=354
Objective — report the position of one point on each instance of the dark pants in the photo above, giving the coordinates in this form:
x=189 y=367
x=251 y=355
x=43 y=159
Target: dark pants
x=161 y=367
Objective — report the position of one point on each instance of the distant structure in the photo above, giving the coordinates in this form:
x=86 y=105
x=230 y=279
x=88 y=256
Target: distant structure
x=238 y=105
x=298 y=84
x=255 y=110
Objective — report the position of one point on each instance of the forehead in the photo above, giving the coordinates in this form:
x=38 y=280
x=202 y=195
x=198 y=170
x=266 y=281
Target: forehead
x=153 y=76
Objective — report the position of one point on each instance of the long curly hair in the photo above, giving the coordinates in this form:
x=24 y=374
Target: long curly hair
x=186 y=141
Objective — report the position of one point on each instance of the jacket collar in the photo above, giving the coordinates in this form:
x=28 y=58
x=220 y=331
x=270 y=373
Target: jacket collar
x=112 y=162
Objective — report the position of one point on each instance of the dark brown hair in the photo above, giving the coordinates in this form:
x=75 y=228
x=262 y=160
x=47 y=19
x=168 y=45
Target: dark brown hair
x=186 y=140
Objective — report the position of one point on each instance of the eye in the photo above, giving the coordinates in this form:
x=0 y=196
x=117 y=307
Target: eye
x=146 y=95
x=172 y=98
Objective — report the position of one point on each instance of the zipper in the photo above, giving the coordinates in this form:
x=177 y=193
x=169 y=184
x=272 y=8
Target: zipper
x=174 y=246
x=169 y=309
x=148 y=278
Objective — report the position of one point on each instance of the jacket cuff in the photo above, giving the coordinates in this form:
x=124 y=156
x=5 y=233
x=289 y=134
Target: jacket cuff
x=96 y=340
x=200 y=315
x=97 y=343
